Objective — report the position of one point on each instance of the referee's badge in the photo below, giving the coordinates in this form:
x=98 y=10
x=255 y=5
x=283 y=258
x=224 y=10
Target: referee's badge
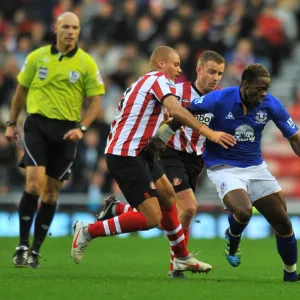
x=43 y=73
x=73 y=76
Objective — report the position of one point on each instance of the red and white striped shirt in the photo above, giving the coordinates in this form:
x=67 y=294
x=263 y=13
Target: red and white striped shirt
x=187 y=139
x=139 y=114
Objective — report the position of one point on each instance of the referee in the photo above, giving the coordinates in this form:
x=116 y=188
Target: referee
x=52 y=84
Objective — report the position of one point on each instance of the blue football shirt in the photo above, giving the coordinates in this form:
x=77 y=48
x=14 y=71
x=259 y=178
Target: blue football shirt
x=227 y=108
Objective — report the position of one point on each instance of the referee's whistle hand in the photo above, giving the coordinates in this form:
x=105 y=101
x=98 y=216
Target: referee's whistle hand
x=12 y=133
x=74 y=135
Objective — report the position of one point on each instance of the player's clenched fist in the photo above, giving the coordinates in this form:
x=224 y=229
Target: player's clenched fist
x=12 y=133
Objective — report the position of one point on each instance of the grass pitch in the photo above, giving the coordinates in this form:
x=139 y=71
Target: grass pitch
x=134 y=268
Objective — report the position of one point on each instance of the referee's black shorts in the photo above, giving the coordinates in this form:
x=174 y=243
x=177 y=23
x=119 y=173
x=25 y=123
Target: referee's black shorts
x=44 y=145
x=135 y=176
x=181 y=168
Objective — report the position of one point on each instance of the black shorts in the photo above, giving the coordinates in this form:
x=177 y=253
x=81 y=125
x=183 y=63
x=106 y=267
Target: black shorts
x=181 y=168
x=44 y=146
x=135 y=176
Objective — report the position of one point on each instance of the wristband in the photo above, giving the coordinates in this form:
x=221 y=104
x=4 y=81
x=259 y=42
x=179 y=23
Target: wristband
x=165 y=133
x=11 y=123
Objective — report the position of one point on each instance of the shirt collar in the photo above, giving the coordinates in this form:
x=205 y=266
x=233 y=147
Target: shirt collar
x=71 y=53
x=195 y=88
x=238 y=98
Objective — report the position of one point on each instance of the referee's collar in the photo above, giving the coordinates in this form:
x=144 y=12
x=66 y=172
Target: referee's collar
x=71 y=53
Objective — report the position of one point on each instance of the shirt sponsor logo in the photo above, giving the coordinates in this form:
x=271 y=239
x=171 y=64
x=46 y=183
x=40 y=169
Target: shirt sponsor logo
x=244 y=133
x=73 y=76
x=261 y=117
x=291 y=123
x=205 y=119
x=42 y=73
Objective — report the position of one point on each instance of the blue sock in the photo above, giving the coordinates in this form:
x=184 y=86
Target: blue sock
x=288 y=250
x=236 y=228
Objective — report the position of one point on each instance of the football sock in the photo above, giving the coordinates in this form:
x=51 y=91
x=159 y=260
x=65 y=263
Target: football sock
x=186 y=232
x=27 y=209
x=121 y=208
x=173 y=229
x=127 y=222
x=288 y=250
x=236 y=228
x=42 y=224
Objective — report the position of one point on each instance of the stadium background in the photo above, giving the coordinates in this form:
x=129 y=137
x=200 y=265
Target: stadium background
x=120 y=35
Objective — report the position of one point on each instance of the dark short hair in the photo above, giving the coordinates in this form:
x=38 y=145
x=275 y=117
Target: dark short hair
x=209 y=55
x=254 y=71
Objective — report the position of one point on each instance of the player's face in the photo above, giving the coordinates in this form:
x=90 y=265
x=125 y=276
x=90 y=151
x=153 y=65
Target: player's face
x=68 y=30
x=171 y=66
x=209 y=76
x=256 y=91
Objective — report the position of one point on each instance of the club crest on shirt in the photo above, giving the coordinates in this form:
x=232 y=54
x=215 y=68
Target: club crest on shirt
x=261 y=117
x=244 y=133
x=176 y=181
x=152 y=185
x=73 y=76
x=42 y=73
x=223 y=187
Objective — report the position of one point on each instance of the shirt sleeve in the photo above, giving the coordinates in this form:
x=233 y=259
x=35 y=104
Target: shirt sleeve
x=206 y=103
x=283 y=120
x=162 y=88
x=28 y=70
x=93 y=82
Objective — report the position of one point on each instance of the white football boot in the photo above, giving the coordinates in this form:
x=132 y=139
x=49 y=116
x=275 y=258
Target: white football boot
x=80 y=241
x=190 y=263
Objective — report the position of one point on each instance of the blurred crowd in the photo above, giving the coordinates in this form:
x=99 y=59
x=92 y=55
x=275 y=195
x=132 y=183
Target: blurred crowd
x=120 y=35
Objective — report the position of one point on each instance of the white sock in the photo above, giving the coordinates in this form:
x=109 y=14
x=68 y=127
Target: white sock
x=234 y=235
x=290 y=268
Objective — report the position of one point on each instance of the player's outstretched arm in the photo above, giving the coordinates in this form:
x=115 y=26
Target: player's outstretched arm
x=295 y=142
x=185 y=117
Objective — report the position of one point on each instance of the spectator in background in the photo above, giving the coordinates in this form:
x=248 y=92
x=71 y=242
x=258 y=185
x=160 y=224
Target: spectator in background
x=7 y=162
x=272 y=30
x=207 y=24
x=103 y=26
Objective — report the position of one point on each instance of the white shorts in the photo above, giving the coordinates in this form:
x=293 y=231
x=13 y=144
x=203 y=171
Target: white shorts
x=257 y=181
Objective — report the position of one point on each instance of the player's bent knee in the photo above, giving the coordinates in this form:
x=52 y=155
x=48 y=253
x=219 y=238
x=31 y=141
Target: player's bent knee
x=167 y=198
x=154 y=220
x=284 y=227
x=187 y=213
x=50 y=197
x=243 y=214
x=34 y=187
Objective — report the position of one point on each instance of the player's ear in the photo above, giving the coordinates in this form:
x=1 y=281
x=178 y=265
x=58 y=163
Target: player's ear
x=245 y=83
x=160 y=63
x=55 y=28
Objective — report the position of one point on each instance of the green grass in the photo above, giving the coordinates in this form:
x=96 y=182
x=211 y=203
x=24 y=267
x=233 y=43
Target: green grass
x=134 y=268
